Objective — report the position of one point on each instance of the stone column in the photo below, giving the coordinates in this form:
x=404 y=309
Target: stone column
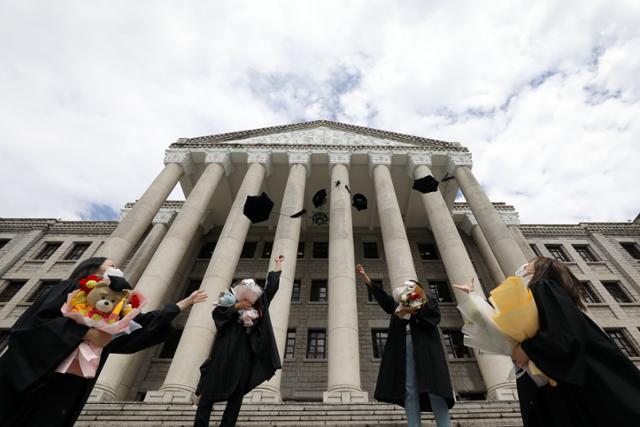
x=199 y=332
x=522 y=242
x=155 y=282
x=502 y=243
x=343 y=385
x=136 y=221
x=472 y=228
x=285 y=243
x=494 y=369
x=143 y=255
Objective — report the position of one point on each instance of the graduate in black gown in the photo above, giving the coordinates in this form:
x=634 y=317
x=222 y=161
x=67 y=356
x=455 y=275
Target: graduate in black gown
x=241 y=357
x=597 y=384
x=429 y=388
x=31 y=392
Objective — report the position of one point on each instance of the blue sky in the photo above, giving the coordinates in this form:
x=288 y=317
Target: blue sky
x=545 y=95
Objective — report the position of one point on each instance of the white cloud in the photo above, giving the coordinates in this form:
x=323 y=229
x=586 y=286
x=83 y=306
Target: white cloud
x=546 y=95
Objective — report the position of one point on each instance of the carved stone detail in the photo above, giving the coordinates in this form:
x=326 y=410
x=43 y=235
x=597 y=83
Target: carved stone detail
x=260 y=156
x=339 y=158
x=458 y=159
x=219 y=156
x=414 y=160
x=301 y=158
x=378 y=158
x=182 y=156
x=164 y=216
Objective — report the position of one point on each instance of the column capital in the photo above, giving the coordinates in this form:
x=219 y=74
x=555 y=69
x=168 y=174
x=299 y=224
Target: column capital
x=418 y=159
x=300 y=158
x=260 y=156
x=164 y=216
x=183 y=157
x=468 y=223
x=378 y=158
x=458 y=159
x=339 y=158
x=219 y=156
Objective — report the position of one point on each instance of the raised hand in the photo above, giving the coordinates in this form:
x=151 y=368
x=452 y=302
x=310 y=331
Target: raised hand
x=279 y=260
x=360 y=271
x=242 y=305
x=467 y=287
x=194 y=298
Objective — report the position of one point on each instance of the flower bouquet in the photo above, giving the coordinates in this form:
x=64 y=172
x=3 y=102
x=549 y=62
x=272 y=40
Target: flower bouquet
x=102 y=303
x=409 y=295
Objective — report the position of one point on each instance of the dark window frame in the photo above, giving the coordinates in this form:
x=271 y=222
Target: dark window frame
x=440 y=287
x=11 y=289
x=426 y=254
x=454 y=347
x=3 y=243
x=590 y=294
x=77 y=250
x=267 y=249
x=617 y=290
x=622 y=341
x=378 y=340
x=290 y=345
x=369 y=249
x=632 y=249
x=249 y=246
x=42 y=287
x=586 y=253
x=319 y=250
x=316 y=344
x=535 y=249
x=558 y=252
x=295 y=290
x=300 y=253
x=47 y=251
x=319 y=291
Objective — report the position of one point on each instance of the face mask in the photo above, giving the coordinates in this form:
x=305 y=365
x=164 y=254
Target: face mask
x=116 y=272
x=521 y=272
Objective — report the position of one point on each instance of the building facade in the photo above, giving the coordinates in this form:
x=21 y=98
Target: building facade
x=330 y=333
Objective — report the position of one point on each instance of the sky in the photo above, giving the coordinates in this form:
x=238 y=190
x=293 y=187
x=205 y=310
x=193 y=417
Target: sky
x=545 y=94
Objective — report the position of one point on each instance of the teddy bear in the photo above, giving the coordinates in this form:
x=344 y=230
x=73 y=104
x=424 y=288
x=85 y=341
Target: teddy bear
x=103 y=301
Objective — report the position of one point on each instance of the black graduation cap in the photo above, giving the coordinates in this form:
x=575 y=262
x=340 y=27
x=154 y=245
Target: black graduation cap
x=320 y=198
x=118 y=283
x=427 y=184
x=258 y=208
x=359 y=201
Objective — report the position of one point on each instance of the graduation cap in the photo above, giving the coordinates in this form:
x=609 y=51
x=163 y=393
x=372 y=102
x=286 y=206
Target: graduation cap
x=258 y=208
x=118 y=283
x=359 y=201
x=427 y=184
x=320 y=198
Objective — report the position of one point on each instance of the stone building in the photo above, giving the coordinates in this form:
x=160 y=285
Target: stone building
x=329 y=331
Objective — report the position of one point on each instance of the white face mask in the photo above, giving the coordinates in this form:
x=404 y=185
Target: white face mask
x=524 y=274
x=111 y=271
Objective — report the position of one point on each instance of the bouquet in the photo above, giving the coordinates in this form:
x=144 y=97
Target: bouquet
x=409 y=295
x=249 y=290
x=103 y=303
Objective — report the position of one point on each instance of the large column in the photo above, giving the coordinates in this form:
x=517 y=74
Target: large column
x=472 y=228
x=521 y=241
x=136 y=221
x=285 y=243
x=502 y=243
x=199 y=332
x=343 y=385
x=156 y=279
x=494 y=369
x=143 y=255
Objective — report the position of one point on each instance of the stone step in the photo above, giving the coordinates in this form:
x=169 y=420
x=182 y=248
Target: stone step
x=464 y=414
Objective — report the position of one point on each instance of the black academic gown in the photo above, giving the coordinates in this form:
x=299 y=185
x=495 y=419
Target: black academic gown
x=31 y=394
x=597 y=384
x=237 y=349
x=431 y=365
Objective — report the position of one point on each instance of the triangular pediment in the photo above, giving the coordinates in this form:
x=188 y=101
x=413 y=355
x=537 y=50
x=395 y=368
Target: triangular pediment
x=319 y=133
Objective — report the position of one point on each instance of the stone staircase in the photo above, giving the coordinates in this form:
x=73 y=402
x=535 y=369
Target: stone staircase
x=464 y=414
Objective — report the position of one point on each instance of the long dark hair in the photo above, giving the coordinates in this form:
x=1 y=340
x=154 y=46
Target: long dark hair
x=87 y=267
x=552 y=269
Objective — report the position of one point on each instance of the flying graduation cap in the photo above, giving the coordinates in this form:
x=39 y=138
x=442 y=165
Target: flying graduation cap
x=258 y=208
x=359 y=202
x=428 y=184
x=320 y=198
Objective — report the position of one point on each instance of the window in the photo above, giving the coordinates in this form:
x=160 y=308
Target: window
x=535 y=249
x=623 y=343
x=300 y=250
x=3 y=242
x=192 y=286
x=440 y=290
x=171 y=344
x=43 y=287
x=289 y=351
x=454 y=345
x=428 y=251
x=632 y=248
x=374 y=282
x=585 y=253
x=295 y=291
x=316 y=344
x=248 y=250
x=379 y=338
x=321 y=249
x=318 y=291
x=266 y=249
x=206 y=251
x=370 y=250
x=617 y=291
x=590 y=295
x=558 y=253
x=77 y=251
x=11 y=289
x=48 y=250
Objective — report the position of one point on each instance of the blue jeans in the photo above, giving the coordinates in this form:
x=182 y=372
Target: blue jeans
x=412 y=396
